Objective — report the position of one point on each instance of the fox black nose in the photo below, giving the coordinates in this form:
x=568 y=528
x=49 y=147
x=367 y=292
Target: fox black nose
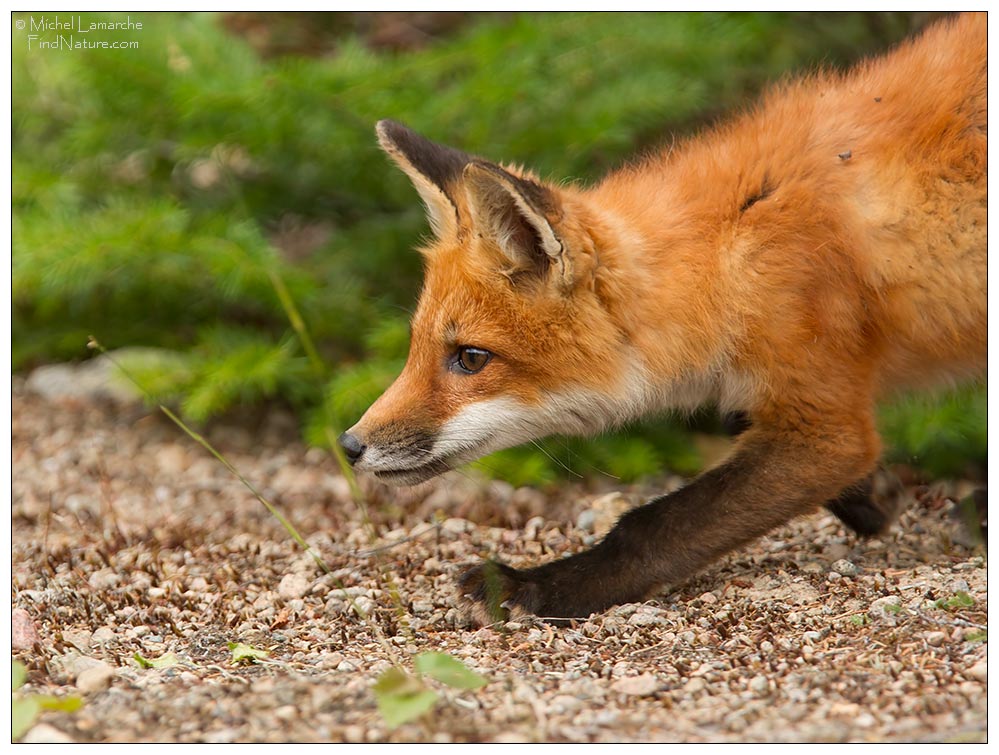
x=352 y=447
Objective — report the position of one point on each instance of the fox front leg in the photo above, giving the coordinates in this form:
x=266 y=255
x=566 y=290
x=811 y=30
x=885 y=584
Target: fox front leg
x=771 y=478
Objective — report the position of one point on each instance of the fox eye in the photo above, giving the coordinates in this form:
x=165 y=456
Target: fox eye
x=470 y=359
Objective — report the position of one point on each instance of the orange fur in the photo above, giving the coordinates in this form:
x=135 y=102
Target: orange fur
x=796 y=264
x=861 y=269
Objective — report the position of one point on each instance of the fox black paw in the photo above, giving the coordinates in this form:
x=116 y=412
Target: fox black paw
x=491 y=592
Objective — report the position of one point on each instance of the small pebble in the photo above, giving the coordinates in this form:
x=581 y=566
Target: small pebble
x=293 y=586
x=23 y=634
x=845 y=568
x=102 y=635
x=695 y=685
x=286 y=713
x=887 y=609
x=935 y=638
x=95 y=679
x=647 y=616
x=637 y=686
x=979 y=672
x=46 y=734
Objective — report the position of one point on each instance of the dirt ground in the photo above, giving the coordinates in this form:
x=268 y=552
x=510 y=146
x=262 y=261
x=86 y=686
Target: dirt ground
x=128 y=538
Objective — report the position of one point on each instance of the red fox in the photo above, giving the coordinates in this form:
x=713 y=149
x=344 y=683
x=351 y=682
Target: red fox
x=795 y=264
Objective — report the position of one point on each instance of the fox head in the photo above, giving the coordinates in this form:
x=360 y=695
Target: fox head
x=515 y=335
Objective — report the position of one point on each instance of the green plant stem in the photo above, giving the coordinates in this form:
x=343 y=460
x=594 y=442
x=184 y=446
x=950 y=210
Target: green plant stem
x=295 y=318
x=322 y=371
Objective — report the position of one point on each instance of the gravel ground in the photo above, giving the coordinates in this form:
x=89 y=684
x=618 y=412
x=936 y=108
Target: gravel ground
x=128 y=538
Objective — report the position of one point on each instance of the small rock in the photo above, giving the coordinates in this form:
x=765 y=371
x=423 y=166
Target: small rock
x=533 y=527
x=570 y=703
x=222 y=736
x=979 y=672
x=457 y=526
x=44 y=733
x=936 y=639
x=332 y=660
x=354 y=734
x=637 y=686
x=102 y=635
x=845 y=568
x=626 y=610
x=293 y=586
x=586 y=520
x=708 y=597
x=173 y=459
x=80 y=639
x=76 y=664
x=95 y=679
x=694 y=685
x=647 y=616
x=607 y=509
x=422 y=606
x=957 y=585
x=865 y=721
x=759 y=685
x=886 y=609
x=103 y=579
x=23 y=634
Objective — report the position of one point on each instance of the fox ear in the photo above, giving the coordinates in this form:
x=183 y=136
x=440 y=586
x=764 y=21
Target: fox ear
x=514 y=212
x=433 y=168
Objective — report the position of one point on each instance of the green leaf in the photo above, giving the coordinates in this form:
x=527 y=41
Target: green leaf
x=449 y=670
x=959 y=600
x=18 y=673
x=164 y=661
x=241 y=653
x=23 y=712
x=402 y=697
x=67 y=704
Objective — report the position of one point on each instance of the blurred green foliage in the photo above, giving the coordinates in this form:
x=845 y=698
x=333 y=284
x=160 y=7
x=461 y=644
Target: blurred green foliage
x=158 y=191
